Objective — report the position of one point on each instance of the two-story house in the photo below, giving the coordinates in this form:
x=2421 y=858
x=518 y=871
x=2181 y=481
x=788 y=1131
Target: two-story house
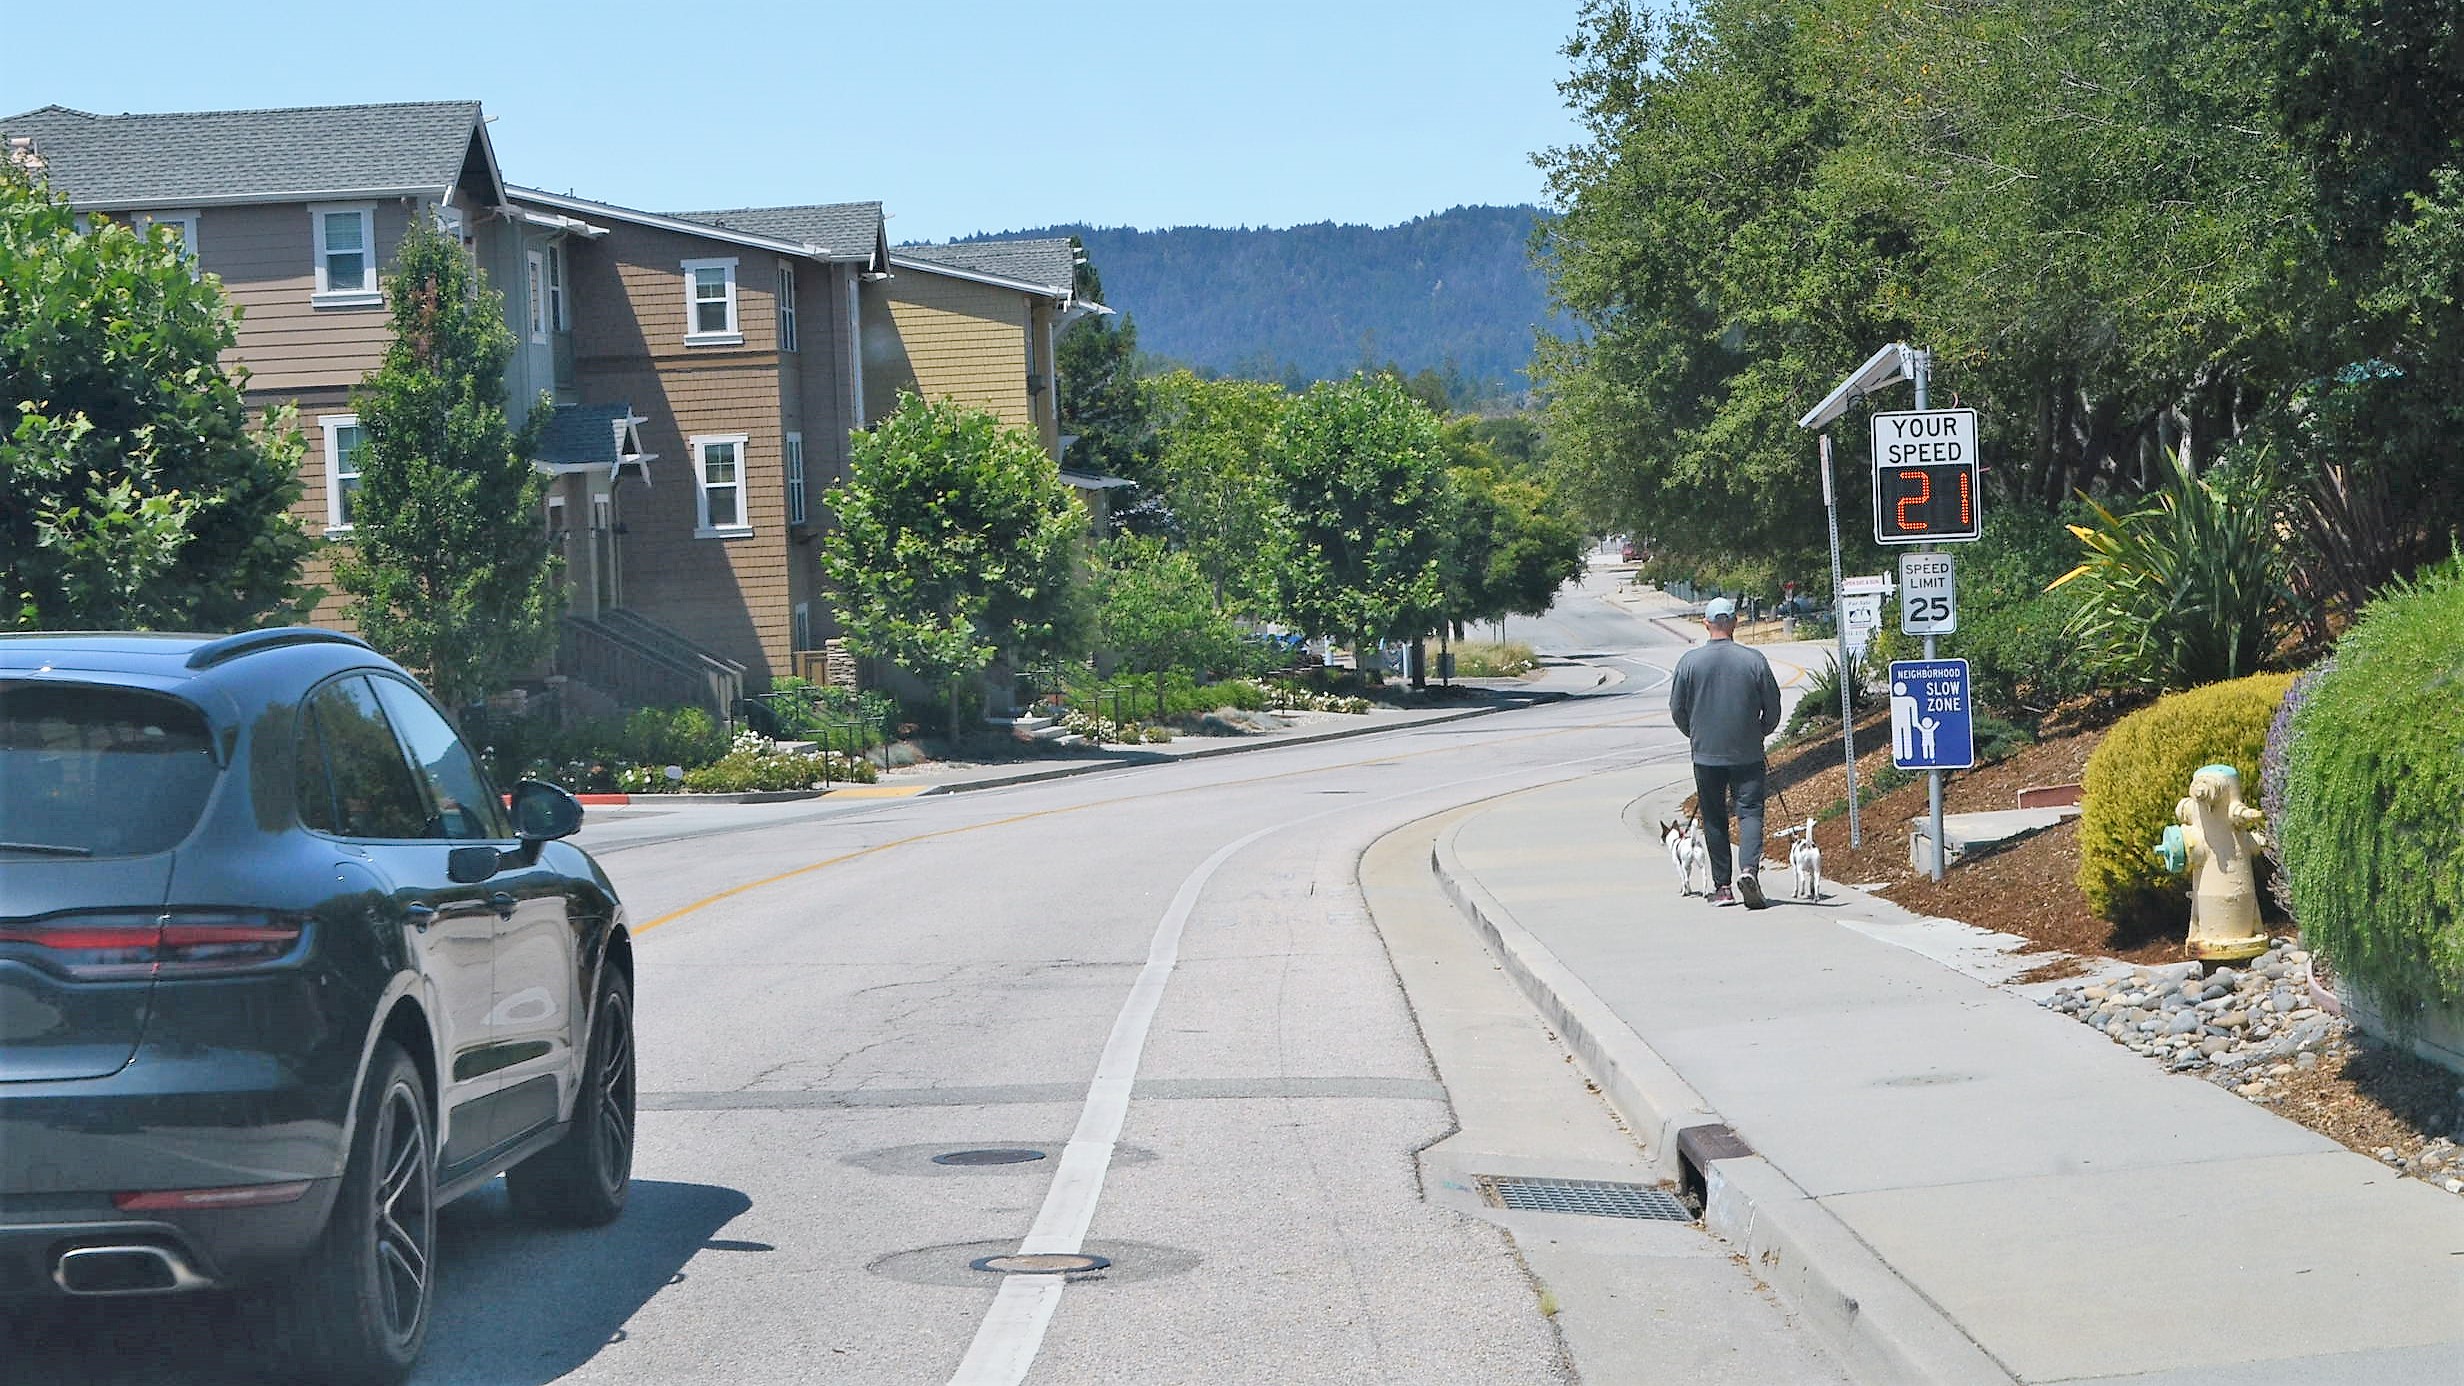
x=297 y=212
x=706 y=369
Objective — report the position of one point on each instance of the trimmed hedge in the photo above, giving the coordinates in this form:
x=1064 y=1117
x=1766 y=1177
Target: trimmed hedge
x=2141 y=770
x=2373 y=796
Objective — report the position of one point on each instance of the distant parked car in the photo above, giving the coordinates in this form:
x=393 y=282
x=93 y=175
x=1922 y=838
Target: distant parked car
x=280 y=974
x=1629 y=552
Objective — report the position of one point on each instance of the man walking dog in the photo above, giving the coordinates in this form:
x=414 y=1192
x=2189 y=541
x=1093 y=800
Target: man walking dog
x=1727 y=702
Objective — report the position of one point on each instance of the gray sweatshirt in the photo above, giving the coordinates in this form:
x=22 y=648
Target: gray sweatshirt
x=1725 y=701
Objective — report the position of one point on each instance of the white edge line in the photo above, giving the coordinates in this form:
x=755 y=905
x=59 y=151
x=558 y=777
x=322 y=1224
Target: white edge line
x=1012 y=1333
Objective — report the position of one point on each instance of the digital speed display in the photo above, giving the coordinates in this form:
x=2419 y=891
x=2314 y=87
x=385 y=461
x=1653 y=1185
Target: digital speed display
x=1925 y=477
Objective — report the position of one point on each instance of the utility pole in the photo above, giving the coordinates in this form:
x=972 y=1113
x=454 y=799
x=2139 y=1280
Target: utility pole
x=1847 y=676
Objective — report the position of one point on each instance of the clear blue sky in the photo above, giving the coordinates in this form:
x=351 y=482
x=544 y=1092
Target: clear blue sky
x=961 y=117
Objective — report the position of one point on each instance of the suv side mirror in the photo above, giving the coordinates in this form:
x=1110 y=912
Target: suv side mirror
x=542 y=812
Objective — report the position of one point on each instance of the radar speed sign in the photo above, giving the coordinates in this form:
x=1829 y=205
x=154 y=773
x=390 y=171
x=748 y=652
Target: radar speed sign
x=1925 y=477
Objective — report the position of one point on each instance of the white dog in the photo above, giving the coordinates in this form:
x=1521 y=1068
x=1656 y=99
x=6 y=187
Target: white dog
x=1806 y=860
x=1687 y=853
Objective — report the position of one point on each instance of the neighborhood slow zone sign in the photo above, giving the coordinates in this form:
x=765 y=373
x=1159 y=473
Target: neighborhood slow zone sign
x=1925 y=477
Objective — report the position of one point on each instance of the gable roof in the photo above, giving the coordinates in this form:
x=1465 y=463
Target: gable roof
x=591 y=435
x=779 y=242
x=850 y=230
x=206 y=158
x=1050 y=265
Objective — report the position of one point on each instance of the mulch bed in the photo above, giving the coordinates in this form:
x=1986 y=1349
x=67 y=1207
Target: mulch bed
x=2362 y=1094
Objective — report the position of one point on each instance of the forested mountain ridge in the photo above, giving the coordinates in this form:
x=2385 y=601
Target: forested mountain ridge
x=1294 y=304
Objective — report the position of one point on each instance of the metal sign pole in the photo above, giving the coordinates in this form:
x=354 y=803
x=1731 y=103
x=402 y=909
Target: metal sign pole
x=1921 y=369
x=1847 y=678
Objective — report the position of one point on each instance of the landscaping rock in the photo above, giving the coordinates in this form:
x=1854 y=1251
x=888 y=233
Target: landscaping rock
x=2242 y=1028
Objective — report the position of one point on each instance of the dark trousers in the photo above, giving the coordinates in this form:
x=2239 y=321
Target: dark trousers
x=1713 y=785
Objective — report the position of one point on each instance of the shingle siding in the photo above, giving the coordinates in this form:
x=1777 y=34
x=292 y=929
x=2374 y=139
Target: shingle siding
x=940 y=336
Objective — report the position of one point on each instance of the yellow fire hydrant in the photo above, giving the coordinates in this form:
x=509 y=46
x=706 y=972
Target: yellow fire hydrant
x=2217 y=840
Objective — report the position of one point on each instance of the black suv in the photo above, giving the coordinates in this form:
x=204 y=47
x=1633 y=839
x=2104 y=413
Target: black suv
x=280 y=973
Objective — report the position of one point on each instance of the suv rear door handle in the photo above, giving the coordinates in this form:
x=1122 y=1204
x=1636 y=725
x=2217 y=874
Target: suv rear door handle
x=503 y=903
x=421 y=916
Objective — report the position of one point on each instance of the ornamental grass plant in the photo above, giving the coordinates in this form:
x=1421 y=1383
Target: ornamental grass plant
x=2374 y=800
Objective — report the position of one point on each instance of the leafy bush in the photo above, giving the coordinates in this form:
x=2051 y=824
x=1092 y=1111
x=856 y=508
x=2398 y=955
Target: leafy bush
x=804 y=710
x=2184 y=590
x=752 y=765
x=1996 y=738
x=2141 y=770
x=1820 y=703
x=2273 y=767
x=2012 y=631
x=2372 y=839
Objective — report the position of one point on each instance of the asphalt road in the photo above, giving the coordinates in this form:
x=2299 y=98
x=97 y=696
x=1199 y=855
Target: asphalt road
x=1162 y=978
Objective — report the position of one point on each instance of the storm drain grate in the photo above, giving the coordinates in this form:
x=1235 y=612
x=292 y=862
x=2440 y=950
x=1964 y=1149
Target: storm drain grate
x=1588 y=1197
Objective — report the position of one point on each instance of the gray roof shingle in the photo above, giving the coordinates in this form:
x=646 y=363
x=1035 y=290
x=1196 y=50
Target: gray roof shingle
x=583 y=433
x=846 y=229
x=1051 y=263
x=235 y=156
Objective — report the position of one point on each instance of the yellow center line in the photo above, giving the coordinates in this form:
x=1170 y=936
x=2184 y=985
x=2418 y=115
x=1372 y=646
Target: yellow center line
x=807 y=869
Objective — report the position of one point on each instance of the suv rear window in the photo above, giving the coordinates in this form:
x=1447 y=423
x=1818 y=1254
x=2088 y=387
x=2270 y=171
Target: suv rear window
x=88 y=769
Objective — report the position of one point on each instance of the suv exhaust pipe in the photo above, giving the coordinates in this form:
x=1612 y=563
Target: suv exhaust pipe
x=141 y=1269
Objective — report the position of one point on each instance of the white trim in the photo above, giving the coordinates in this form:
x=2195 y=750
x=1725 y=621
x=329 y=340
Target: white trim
x=365 y=292
x=786 y=312
x=855 y=350
x=693 y=449
x=250 y=199
x=694 y=334
x=560 y=315
x=333 y=424
x=704 y=229
x=999 y=281
x=796 y=510
x=187 y=222
x=535 y=271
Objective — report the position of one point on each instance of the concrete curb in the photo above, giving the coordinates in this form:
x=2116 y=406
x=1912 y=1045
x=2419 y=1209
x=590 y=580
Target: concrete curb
x=1882 y=1329
x=1097 y=767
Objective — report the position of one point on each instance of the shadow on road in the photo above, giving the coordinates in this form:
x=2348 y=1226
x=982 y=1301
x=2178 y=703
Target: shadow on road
x=518 y=1305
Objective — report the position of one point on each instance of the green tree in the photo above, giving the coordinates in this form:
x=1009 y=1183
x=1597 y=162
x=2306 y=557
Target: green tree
x=133 y=493
x=1215 y=439
x=1153 y=611
x=1357 y=548
x=447 y=563
x=1101 y=405
x=1508 y=549
x=956 y=543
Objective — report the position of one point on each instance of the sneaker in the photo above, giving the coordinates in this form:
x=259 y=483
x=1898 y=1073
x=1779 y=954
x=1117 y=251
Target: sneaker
x=1722 y=896
x=1750 y=891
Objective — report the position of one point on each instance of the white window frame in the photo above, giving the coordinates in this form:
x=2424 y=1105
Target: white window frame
x=333 y=424
x=187 y=222
x=787 y=307
x=795 y=479
x=696 y=448
x=557 y=319
x=363 y=294
x=556 y=519
x=731 y=335
x=535 y=266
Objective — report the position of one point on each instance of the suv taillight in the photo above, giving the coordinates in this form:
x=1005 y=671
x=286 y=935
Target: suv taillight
x=138 y=947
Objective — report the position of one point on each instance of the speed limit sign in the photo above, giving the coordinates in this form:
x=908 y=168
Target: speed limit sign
x=1928 y=602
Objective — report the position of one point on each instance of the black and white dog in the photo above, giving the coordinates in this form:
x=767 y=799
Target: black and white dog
x=1688 y=853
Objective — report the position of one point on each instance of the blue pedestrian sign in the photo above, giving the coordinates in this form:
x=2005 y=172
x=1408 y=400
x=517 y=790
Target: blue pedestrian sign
x=1933 y=726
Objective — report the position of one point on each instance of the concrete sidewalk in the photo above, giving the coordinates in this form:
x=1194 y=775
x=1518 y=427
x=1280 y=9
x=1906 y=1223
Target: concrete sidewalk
x=1948 y=1182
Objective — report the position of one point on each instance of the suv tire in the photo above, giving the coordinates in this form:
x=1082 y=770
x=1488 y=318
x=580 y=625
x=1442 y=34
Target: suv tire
x=582 y=1180
x=356 y=1310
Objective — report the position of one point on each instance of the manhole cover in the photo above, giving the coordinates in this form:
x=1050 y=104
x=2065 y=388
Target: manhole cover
x=1041 y=1263
x=1006 y=1155
x=1588 y=1197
